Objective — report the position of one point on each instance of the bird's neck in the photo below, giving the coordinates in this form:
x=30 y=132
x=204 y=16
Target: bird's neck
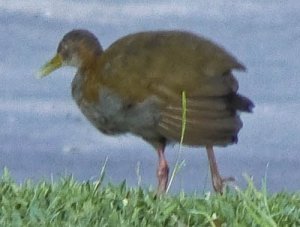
x=89 y=79
x=90 y=63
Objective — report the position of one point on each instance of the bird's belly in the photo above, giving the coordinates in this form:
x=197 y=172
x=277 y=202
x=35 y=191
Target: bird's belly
x=106 y=124
x=112 y=115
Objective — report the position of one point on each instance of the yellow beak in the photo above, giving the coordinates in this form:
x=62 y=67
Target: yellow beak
x=50 y=66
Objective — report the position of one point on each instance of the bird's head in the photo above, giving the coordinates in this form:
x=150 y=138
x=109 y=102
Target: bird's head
x=78 y=48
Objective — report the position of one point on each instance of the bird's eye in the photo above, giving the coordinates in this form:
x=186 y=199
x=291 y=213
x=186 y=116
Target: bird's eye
x=63 y=48
x=64 y=51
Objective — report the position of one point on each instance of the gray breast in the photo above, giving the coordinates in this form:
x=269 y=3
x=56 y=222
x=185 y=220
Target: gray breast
x=112 y=115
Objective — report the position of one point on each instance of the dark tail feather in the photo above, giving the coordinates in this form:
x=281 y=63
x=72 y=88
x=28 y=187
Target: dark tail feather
x=241 y=103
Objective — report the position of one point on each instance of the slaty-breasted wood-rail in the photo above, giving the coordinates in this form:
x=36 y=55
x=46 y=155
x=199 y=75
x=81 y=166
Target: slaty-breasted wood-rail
x=135 y=86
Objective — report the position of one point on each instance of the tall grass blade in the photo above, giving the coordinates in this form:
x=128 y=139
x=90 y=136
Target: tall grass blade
x=178 y=164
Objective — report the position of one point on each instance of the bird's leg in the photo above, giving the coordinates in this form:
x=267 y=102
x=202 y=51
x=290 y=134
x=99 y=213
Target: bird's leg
x=162 y=171
x=217 y=181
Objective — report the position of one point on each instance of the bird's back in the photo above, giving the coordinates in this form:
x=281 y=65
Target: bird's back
x=165 y=63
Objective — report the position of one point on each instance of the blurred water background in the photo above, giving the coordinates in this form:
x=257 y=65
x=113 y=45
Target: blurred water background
x=43 y=134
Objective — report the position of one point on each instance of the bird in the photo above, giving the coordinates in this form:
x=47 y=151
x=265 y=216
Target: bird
x=136 y=85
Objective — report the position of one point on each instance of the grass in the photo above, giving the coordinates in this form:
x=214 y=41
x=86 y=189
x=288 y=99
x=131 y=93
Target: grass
x=71 y=203
x=179 y=164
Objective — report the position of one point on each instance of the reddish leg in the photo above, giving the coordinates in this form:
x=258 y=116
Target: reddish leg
x=217 y=181
x=162 y=171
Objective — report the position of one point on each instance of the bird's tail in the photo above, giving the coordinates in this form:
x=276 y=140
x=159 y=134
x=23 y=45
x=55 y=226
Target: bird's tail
x=241 y=103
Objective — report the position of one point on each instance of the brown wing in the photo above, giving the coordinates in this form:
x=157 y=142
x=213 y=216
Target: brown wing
x=163 y=64
x=209 y=121
x=167 y=62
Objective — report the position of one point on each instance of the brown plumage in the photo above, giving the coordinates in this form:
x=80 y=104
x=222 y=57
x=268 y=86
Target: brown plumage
x=136 y=86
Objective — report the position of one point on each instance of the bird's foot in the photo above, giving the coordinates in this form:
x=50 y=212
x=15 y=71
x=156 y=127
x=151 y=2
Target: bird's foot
x=219 y=183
